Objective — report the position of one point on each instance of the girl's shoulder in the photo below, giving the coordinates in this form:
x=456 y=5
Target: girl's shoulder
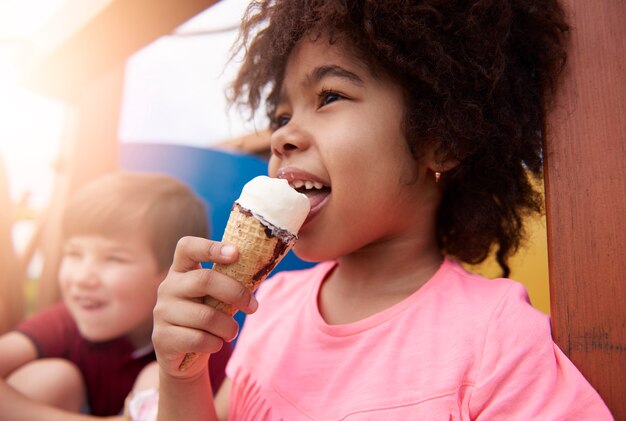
x=473 y=285
x=470 y=293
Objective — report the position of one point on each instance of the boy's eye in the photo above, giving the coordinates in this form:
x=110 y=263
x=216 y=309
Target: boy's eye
x=116 y=259
x=71 y=253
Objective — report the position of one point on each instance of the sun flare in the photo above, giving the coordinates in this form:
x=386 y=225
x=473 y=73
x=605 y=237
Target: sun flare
x=29 y=137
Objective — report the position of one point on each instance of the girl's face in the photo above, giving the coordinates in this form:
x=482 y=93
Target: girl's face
x=110 y=285
x=340 y=127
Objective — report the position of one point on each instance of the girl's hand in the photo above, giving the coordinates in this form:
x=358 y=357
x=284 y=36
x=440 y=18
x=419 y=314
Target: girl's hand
x=182 y=323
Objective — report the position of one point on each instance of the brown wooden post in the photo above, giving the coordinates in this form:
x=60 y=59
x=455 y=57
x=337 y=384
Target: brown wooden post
x=586 y=200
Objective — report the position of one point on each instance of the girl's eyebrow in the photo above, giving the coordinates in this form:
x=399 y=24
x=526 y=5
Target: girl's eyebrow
x=321 y=72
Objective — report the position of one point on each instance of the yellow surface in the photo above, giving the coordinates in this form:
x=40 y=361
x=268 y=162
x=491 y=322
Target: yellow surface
x=529 y=266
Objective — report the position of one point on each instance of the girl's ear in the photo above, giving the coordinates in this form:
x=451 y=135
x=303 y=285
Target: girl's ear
x=439 y=162
x=443 y=166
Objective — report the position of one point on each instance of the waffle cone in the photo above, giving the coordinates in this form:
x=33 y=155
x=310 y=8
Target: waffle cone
x=261 y=248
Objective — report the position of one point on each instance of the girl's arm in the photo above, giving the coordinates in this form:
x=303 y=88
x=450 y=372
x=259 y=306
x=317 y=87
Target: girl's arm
x=146 y=406
x=186 y=398
x=221 y=400
x=182 y=324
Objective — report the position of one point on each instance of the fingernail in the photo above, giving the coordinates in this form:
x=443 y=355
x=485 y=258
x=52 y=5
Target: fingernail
x=253 y=304
x=228 y=250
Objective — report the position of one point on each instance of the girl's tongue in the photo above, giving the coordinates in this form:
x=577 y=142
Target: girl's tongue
x=316 y=196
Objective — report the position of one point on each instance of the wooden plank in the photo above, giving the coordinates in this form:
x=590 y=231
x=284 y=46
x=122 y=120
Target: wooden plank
x=586 y=200
x=118 y=30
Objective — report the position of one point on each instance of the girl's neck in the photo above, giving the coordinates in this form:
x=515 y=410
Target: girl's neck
x=377 y=277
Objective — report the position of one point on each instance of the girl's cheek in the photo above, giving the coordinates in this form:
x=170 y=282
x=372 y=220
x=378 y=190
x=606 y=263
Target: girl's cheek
x=273 y=166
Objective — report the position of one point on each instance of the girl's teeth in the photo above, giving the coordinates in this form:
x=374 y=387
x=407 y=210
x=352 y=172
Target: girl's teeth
x=306 y=184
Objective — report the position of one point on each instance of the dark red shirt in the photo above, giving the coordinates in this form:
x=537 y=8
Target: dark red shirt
x=109 y=368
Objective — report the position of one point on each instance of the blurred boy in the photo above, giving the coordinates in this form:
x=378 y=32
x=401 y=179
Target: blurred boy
x=85 y=354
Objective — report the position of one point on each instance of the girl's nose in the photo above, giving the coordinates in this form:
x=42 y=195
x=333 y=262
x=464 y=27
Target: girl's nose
x=289 y=139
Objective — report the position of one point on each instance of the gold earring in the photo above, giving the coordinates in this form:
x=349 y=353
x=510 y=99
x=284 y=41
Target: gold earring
x=437 y=176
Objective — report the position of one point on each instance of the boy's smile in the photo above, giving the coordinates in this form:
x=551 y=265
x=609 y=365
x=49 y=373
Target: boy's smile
x=338 y=138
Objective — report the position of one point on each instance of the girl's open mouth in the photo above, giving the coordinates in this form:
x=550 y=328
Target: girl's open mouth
x=317 y=193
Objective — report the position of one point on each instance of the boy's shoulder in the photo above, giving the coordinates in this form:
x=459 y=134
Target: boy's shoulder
x=53 y=317
x=52 y=330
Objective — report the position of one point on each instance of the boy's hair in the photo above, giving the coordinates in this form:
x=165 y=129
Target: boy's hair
x=477 y=76
x=163 y=207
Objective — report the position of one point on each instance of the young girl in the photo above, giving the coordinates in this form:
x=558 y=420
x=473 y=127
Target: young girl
x=422 y=122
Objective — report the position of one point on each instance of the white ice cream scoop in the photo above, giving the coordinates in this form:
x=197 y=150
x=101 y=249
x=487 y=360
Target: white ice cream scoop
x=276 y=202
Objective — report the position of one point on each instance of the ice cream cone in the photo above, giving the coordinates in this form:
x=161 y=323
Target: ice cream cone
x=261 y=247
x=264 y=222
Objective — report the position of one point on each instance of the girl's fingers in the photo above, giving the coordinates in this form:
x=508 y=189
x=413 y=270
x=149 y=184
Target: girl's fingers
x=182 y=323
x=172 y=343
x=179 y=340
x=196 y=282
x=202 y=318
x=191 y=251
x=206 y=282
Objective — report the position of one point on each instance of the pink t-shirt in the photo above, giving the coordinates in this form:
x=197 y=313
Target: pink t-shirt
x=462 y=347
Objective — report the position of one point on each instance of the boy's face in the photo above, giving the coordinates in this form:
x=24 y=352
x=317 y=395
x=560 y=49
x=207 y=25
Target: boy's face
x=110 y=284
x=339 y=125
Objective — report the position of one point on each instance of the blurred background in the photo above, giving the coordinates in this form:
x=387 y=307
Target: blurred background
x=90 y=86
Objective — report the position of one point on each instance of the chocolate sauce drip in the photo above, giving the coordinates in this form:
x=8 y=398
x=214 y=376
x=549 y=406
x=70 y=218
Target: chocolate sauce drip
x=280 y=249
x=241 y=209
x=270 y=230
x=284 y=238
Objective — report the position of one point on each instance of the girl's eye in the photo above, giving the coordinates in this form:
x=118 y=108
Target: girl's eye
x=328 y=97
x=280 y=121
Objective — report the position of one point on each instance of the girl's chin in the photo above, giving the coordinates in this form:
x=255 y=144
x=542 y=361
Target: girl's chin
x=305 y=251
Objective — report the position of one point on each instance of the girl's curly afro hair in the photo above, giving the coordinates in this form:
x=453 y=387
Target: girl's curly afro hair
x=478 y=75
